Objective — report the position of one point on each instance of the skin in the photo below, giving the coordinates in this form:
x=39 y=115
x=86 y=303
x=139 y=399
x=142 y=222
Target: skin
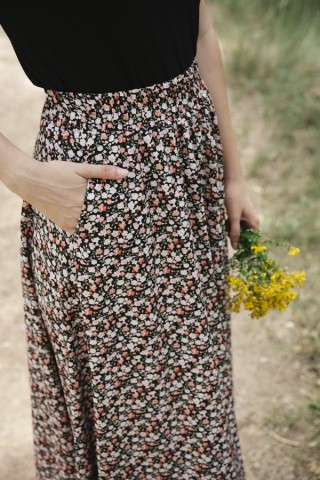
x=237 y=199
x=57 y=188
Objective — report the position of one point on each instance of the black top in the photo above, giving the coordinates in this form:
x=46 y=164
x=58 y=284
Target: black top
x=102 y=46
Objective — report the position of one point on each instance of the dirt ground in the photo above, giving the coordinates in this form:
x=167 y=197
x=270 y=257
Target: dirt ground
x=268 y=378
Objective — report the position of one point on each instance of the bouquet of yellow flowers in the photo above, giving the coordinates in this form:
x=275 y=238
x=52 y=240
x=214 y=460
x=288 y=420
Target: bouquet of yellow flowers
x=257 y=282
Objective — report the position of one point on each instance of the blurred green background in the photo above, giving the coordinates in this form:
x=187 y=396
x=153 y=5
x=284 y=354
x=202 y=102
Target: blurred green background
x=272 y=61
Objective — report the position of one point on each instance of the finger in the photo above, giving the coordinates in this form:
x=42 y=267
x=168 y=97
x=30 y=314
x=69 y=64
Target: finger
x=88 y=170
x=234 y=233
x=252 y=222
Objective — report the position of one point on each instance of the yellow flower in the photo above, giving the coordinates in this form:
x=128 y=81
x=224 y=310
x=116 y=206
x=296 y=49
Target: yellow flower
x=258 y=248
x=294 y=251
x=258 y=283
x=299 y=277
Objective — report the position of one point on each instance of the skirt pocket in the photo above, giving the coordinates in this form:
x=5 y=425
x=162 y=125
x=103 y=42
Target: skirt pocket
x=83 y=208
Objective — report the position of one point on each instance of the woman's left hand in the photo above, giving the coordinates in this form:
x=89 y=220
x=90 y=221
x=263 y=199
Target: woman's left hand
x=239 y=207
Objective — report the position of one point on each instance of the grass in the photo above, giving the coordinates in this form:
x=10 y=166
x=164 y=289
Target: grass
x=272 y=53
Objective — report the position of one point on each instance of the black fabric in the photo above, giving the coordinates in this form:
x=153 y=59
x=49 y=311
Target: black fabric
x=102 y=47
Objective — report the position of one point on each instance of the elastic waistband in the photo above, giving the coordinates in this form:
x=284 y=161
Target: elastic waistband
x=138 y=97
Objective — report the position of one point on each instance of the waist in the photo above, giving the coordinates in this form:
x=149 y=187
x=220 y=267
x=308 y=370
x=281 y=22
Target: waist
x=143 y=102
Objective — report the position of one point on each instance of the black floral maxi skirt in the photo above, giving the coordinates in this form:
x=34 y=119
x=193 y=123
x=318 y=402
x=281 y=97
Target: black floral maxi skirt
x=129 y=345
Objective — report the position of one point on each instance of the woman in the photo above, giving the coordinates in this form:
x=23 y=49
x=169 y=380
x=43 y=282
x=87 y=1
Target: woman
x=123 y=271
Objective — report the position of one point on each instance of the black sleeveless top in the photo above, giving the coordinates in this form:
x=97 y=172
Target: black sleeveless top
x=102 y=46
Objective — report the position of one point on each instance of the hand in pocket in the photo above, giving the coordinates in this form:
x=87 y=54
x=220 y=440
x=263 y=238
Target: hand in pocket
x=57 y=188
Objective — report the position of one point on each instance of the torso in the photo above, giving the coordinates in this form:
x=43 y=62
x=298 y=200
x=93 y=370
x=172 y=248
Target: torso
x=107 y=46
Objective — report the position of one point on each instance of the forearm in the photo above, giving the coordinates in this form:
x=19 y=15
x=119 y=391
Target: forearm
x=212 y=72
x=14 y=165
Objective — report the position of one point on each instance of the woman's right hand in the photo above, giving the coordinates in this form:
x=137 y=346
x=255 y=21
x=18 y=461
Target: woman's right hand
x=57 y=188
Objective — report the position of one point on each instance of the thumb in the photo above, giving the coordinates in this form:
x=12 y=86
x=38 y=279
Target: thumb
x=234 y=232
x=89 y=170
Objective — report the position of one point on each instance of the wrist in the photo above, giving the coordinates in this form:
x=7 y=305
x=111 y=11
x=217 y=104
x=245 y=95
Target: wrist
x=234 y=177
x=19 y=174
x=232 y=168
x=15 y=165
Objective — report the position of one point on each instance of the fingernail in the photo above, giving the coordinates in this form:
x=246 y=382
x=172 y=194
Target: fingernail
x=122 y=171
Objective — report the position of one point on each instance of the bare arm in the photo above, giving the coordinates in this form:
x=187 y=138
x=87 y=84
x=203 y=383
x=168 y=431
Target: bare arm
x=55 y=188
x=211 y=69
x=212 y=72
x=13 y=163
